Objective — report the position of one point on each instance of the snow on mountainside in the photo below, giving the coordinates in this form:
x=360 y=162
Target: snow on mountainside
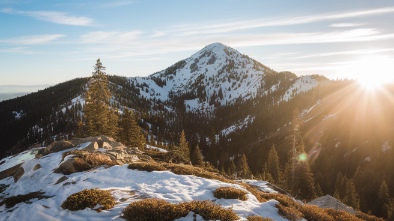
x=302 y=84
x=125 y=185
x=217 y=73
x=216 y=70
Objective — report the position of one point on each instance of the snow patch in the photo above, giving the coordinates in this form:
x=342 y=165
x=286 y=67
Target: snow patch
x=385 y=147
x=156 y=148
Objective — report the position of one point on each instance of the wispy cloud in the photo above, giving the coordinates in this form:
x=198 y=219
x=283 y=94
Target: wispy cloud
x=114 y=4
x=355 y=35
x=18 y=50
x=101 y=37
x=136 y=43
x=348 y=52
x=228 y=26
x=32 y=40
x=344 y=25
x=53 y=17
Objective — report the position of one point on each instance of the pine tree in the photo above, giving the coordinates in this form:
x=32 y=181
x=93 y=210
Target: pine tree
x=352 y=198
x=184 y=150
x=340 y=188
x=298 y=176
x=243 y=170
x=231 y=169
x=98 y=115
x=266 y=175
x=130 y=132
x=196 y=157
x=383 y=199
x=318 y=190
x=305 y=183
x=273 y=165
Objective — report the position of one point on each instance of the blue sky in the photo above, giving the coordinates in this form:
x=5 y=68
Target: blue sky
x=48 y=42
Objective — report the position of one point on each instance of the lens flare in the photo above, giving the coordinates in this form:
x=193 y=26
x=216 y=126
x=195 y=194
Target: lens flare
x=302 y=157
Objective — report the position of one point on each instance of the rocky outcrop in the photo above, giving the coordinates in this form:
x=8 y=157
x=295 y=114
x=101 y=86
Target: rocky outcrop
x=329 y=202
x=55 y=147
x=16 y=171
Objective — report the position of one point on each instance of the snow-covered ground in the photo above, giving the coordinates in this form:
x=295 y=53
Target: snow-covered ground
x=126 y=186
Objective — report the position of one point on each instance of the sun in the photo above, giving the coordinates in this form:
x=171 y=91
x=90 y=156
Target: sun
x=373 y=72
x=370 y=82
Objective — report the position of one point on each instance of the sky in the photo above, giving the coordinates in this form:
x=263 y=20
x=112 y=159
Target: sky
x=48 y=42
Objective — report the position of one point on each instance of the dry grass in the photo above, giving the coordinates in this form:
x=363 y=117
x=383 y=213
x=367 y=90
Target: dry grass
x=147 y=166
x=315 y=213
x=211 y=211
x=230 y=193
x=157 y=209
x=341 y=215
x=258 y=218
x=89 y=198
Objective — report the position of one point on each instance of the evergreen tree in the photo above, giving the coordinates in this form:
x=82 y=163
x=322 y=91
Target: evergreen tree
x=352 y=198
x=231 y=168
x=184 y=150
x=196 y=157
x=273 y=165
x=98 y=115
x=298 y=176
x=130 y=132
x=305 y=183
x=390 y=210
x=383 y=199
x=318 y=190
x=345 y=191
x=266 y=175
x=243 y=170
x=340 y=188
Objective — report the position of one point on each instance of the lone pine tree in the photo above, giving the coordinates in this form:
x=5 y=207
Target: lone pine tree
x=99 y=118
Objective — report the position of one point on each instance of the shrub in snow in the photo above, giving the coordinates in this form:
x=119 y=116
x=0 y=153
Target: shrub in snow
x=314 y=213
x=230 y=193
x=258 y=218
x=89 y=198
x=154 y=209
x=147 y=166
x=211 y=211
x=290 y=213
x=282 y=199
x=158 y=209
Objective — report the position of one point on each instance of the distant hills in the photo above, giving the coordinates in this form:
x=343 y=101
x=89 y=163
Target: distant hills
x=14 y=91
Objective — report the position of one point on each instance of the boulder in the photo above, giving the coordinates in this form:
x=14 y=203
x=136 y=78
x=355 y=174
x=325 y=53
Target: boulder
x=61 y=145
x=16 y=171
x=66 y=167
x=36 y=167
x=92 y=146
